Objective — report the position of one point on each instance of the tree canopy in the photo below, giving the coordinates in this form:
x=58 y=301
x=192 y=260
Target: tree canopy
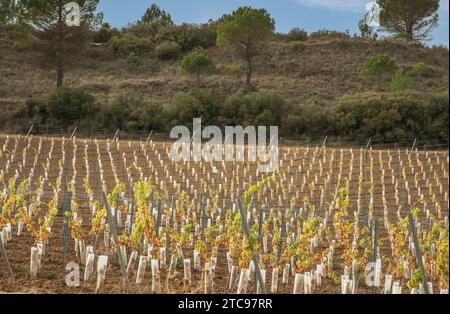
x=198 y=63
x=379 y=65
x=155 y=14
x=59 y=37
x=244 y=32
x=8 y=11
x=414 y=19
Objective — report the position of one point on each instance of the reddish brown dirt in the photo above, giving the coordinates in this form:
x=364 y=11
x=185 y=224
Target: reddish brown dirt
x=51 y=279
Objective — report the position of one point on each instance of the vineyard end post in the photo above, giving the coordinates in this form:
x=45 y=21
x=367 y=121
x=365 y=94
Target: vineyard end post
x=418 y=251
x=112 y=226
x=255 y=258
x=66 y=208
x=5 y=258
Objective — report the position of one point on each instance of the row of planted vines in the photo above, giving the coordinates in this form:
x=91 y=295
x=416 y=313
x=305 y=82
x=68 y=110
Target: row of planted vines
x=127 y=218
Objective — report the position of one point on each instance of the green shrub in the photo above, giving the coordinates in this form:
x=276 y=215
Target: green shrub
x=307 y=120
x=297 y=34
x=21 y=37
x=198 y=63
x=34 y=107
x=418 y=68
x=296 y=46
x=189 y=36
x=117 y=112
x=105 y=34
x=128 y=43
x=392 y=116
x=379 y=65
x=437 y=115
x=167 y=50
x=131 y=113
x=145 y=30
x=207 y=104
x=258 y=108
x=422 y=70
x=326 y=34
x=400 y=82
x=147 y=116
x=67 y=106
x=417 y=278
x=215 y=108
x=34 y=111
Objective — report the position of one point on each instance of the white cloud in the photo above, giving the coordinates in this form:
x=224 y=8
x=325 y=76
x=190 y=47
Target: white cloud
x=353 y=5
x=347 y=5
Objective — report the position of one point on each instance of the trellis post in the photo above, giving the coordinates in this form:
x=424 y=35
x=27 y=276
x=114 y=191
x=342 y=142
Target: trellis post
x=366 y=206
x=324 y=143
x=158 y=218
x=374 y=233
x=66 y=209
x=418 y=251
x=148 y=138
x=29 y=131
x=112 y=226
x=115 y=135
x=414 y=145
x=5 y=258
x=255 y=258
x=73 y=133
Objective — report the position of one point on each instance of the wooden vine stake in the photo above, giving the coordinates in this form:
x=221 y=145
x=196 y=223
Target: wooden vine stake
x=418 y=252
x=66 y=210
x=5 y=258
x=255 y=258
x=374 y=228
x=112 y=226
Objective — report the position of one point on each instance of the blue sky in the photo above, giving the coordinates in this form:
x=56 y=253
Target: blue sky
x=310 y=15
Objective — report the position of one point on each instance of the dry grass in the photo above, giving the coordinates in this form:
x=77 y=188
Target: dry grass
x=301 y=72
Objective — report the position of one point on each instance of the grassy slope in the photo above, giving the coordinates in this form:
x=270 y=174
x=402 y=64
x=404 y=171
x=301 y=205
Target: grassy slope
x=313 y=71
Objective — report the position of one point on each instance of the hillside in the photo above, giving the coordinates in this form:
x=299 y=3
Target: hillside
x=324 y=70
x=310 y=72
